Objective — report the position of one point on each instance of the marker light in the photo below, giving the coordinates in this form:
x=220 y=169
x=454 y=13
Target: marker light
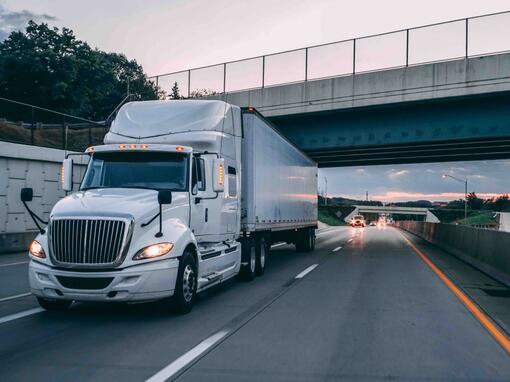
x=221 y=175
x=179 y=148
x=122 y=147
x=153 y=251
x=90 y=149
x=62 y=175
x=35 y=249
x=251 y=109
x=144 y=146
x=132 y=146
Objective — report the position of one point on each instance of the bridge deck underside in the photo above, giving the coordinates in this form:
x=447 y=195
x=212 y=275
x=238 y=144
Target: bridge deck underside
x=470 y=128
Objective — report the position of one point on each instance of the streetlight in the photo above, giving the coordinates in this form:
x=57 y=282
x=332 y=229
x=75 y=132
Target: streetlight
x=465 y=181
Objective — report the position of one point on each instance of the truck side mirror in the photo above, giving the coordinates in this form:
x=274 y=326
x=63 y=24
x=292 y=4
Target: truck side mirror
x=27 y=194
x=164 y=197
x=66 y=175
x=219 y=175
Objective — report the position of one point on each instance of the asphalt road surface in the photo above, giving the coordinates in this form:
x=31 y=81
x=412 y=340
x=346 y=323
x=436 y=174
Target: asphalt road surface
x=362 y=307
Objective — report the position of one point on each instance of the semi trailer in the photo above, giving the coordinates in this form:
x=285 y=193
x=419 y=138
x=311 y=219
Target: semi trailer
x=182 y=196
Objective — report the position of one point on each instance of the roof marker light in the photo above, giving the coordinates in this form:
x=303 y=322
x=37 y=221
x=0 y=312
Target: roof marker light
x=90 y=149
x=251 y=109
x=179 y=148
x=144 y=146
x=122 y=147
x=132 y=146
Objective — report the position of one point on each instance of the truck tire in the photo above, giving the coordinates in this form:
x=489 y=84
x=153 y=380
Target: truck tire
x=185 y=285
x=54 y=305
x=262 y=250
x=305 y=242
x=249 y=256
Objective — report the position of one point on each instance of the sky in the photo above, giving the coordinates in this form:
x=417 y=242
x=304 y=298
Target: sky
x=171 y=35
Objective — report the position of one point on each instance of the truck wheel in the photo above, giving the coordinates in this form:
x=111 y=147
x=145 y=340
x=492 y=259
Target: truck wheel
x=186 y=284
x=305 y=240
x=262 y=250
x=54 y=305
x=313 y=239
x=249 y=256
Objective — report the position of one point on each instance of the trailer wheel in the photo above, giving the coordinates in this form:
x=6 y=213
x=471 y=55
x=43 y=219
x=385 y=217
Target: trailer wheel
x=305 y=242
x=186 y=284
x=249 y=257
x=262 y=250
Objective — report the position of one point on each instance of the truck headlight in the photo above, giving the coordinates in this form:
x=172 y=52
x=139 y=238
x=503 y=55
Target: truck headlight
x=154 y=250
x=35 y=249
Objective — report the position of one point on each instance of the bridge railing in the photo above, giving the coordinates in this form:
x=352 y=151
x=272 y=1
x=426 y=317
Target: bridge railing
x=451 y=40
x=32 y=125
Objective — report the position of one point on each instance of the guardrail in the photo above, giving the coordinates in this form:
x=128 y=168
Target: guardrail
x=445 y=41
x=487 y=250
x=33 y=125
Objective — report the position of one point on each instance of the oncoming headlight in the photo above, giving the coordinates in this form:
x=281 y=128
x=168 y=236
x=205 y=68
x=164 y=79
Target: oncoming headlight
x=35 y=249
x=152 y=251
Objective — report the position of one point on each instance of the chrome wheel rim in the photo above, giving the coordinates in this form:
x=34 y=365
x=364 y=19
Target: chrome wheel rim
x=188 y=283
x=253 y=258
x=262 y=255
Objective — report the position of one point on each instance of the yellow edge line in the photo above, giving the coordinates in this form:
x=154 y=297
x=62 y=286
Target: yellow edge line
x=498 y=335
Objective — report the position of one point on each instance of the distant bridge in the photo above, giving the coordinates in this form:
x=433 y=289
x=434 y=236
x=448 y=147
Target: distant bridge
x=425 y=212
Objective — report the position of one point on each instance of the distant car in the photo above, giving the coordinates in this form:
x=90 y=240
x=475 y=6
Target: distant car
x=358 y=221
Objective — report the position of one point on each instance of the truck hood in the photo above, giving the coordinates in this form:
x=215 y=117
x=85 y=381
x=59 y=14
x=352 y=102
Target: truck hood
x=103 y=202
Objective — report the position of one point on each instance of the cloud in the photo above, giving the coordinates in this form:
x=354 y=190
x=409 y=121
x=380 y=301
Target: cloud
x=394 y=174
x=17 y=20
x=397 y=196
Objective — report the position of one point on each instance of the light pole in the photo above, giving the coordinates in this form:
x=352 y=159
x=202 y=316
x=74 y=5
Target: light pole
x=465 y=181
x=326 y=192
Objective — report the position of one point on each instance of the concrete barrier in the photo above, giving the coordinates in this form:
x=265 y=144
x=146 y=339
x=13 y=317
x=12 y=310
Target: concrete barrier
x=487 y=250
x=28 y=166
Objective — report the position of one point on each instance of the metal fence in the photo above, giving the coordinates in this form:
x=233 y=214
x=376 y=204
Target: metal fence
x=32 y=125
x=451 y=40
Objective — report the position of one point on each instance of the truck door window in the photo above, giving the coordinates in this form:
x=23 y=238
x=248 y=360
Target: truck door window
x=198 y=175
x=232 y=182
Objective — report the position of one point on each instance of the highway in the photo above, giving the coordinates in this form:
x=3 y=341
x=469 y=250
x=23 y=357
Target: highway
x=362 y=307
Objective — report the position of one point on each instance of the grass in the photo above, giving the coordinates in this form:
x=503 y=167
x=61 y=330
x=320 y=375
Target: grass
x=327 y=216
x=479 y=219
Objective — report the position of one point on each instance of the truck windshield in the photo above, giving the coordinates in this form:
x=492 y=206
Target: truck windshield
x=152 y=170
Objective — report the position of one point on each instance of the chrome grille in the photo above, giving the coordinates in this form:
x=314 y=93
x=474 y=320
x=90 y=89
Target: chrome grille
x=88 y=241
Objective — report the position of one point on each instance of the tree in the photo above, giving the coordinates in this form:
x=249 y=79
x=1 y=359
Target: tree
x=175 y=93
x=49 y=67
x=197 y=93
x=474 y=202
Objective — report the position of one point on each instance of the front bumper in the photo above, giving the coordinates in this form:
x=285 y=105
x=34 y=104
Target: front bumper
x=144 y=282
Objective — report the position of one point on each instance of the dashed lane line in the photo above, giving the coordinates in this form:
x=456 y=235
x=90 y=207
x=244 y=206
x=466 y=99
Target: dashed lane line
x=25 y=313
x=9 y=298
x=11 y=264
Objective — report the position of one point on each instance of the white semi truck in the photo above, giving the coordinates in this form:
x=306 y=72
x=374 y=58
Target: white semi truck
x=182 y=196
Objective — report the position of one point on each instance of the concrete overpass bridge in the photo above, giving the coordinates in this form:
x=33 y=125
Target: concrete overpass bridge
x=427 y=215
x=435 y=93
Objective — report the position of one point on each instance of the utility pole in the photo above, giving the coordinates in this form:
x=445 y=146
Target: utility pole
x=367 y=196
x=465 y=181
x=326 y=191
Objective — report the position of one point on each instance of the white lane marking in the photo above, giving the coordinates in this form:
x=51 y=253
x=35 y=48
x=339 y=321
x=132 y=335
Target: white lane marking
x=15 y=297
x=25 y=313
x=327 y=232
x=11 y=264
x=185 y=359
x=306 y=271
x=278 y=245
x=337 y=249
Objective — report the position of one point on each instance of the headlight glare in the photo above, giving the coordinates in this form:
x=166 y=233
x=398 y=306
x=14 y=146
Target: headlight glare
x=152 y=251
x=35 y=249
